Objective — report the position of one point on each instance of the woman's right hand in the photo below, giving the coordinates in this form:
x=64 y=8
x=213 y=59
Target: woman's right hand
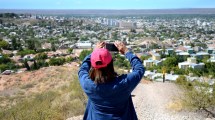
x=121 y=47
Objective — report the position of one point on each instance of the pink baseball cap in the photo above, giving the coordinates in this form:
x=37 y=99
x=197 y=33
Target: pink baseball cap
x=100 y=58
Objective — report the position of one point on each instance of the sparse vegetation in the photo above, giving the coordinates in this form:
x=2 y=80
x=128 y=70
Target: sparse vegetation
x=197 y=95
x=55 y=104
x=57 y=61
x=84 y=53
x=26 y=52
x=121 y=62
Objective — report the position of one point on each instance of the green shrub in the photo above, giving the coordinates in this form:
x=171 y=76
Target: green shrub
x=57 y=61
x=5 y=59
x=69 y=50
x=26 y=52
x=8 y=66
x=69 y=59
x=121 y=62
x=181 y=80
x=41 y=56
x=84 y=53
x=4 y=44
x=197 y=95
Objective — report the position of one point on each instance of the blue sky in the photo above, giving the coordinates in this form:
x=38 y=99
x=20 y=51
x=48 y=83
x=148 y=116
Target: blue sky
x=105 y=4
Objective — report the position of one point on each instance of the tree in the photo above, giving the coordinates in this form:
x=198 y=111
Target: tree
x=170 y=62
x=31 y=44
x=121 y=62
x=84 y=53
x=5 y=59
x=26 y=65
x=133 y=30
x=3 y=44
x=70 y=50
x=41 y=56
x=14 y=43
x=53 y=47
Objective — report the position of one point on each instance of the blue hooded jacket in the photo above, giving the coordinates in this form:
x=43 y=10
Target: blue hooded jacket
x=111 y=101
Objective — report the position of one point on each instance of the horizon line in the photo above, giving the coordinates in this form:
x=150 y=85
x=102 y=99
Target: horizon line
x=102 y=9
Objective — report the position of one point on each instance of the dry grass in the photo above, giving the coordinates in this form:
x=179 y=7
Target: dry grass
x=175 y=105
x=49 y=93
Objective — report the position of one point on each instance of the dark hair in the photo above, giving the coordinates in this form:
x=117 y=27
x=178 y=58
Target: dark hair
x=103 y=75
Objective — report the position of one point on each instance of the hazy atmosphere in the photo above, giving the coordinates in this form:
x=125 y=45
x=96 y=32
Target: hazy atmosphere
x=105 y=4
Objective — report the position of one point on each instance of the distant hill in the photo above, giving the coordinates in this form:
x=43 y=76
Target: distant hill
x=111 y=12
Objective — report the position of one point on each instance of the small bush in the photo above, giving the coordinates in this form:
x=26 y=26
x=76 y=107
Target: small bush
x=41 y=56
x=69 y=59
x=181 y=80
x=197 y=95
x=57 y=61
x=26 y=52
x=84 y=53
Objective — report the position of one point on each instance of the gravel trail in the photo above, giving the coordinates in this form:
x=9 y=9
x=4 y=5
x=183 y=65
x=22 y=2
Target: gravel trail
x=151 y=102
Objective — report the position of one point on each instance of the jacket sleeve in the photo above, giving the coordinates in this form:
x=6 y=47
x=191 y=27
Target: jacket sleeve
x=137 y=73
x=83 y=73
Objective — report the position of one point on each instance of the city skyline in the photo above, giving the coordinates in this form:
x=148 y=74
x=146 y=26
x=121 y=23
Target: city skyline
x=105 y=4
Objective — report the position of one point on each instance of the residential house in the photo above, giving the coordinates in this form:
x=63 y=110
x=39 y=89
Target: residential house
x=148 y=63
x=191 y=63
x=156 y=56
x=183 y=54
x=190 y=51
x=191 y=60
x=200 y=55
x=170 y=51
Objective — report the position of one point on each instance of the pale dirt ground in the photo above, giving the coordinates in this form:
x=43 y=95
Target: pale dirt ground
x=156 y=101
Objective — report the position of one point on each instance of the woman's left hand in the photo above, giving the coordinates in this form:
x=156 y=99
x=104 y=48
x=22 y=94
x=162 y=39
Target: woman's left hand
x=100 y=45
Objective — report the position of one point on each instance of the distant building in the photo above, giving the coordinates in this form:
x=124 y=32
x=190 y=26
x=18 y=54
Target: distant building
x=190 y=63
x=190 y=51
x=183 y=54
x=191 y=60
x=156 y=56
x=200 y=55
x=183 y=65
x=210 y=51
x=197 y=66
x=170 y=51
x=186 y=65
x=84 y=45
x=197 y=49
x=148 y=63
x=127 y=25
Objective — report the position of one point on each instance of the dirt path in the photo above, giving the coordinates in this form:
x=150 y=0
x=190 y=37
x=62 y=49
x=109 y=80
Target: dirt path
x=152 y=101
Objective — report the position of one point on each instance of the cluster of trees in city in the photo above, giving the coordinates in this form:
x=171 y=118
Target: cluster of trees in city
x=8 y=15
x=198 y=95
x=41 y=60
